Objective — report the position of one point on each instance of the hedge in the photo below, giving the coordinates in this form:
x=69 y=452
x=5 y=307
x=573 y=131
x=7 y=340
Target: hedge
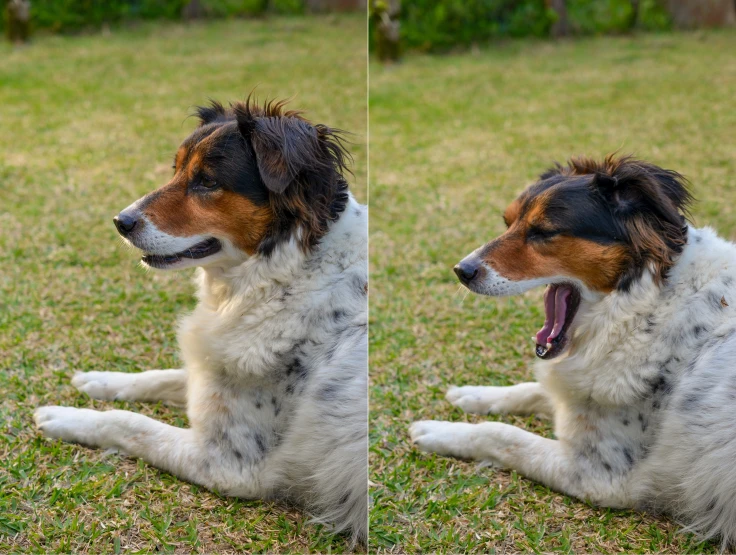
x=71 y=15
x=436 y=25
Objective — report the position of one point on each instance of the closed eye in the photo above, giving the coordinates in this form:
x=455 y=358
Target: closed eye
x=541 y=234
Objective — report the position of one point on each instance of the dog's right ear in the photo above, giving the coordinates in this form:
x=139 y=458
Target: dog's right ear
x=284 y=145
x=209 y=114
x=557 y=169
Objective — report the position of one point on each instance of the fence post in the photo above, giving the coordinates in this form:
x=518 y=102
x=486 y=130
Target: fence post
x=385 y=14
x=18 y=20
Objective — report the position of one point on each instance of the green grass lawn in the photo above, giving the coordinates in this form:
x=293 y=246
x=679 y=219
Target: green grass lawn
x=453 y=140
x=90 y=124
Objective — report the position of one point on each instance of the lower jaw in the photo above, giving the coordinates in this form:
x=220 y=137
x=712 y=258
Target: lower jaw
x=154 y=262
x=194 y=256
x=558 y=346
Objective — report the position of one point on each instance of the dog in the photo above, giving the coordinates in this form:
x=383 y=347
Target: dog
x=637 y=354
x=275 y=352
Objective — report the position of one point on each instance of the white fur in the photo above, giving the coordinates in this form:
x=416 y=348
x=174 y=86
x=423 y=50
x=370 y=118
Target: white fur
x=154 y=241
x=523 y=398
x=151 y=386
x=151 y=240
x=644 y=399
x=275 y=382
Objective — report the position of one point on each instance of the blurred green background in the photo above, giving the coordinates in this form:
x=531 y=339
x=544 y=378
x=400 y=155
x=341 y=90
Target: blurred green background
x=75 y=15
x=442 y=25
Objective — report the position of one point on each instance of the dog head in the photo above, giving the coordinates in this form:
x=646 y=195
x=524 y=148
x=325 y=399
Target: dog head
x=247 y=179
x=589 y=228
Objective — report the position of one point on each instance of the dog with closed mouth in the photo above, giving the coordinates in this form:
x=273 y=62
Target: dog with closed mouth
x=637 y=354
x=275 y=352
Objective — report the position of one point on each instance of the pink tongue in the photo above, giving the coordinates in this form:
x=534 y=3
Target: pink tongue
x=555 y=308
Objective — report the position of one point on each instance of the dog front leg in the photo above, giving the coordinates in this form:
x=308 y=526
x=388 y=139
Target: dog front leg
x=169 y=386
x=523 y=398
x=181 y=452
x=543 y=460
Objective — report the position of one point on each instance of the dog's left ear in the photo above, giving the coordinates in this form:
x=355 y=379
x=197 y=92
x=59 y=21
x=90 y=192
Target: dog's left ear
x=631 y=187
x=284 y=146
x=652 y=204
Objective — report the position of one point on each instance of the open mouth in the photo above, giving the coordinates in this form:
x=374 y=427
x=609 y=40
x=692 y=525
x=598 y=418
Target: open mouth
x=561 y=302
x=200 y=250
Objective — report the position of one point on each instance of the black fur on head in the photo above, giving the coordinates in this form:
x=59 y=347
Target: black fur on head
x=301 y=165
x=633 y=202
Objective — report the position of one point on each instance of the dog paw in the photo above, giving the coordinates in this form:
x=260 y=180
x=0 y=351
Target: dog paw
x=443 y=438
x=477 y=399
x=106 y=386
x=69 y=423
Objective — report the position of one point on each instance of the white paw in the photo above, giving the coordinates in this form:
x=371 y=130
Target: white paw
x=444 y=438
x=70 y=424
x=477 y=399
x=106 y=386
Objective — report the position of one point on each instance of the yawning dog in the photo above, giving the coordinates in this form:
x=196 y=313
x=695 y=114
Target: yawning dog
x=637 y=352
x=275 y=353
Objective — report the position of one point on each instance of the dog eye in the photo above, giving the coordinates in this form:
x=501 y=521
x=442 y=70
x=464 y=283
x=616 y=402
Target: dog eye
x=208 y=183
x=538 y=234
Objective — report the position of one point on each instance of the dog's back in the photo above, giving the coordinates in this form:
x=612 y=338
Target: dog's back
x=688 y=468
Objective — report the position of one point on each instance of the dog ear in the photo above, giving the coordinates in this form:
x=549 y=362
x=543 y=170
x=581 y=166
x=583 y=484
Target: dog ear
x=606 y=182
x=631 y=186
x=557 y=169
x=301 y=164
x=652 y=204
x=284 y=147
x=211 y=113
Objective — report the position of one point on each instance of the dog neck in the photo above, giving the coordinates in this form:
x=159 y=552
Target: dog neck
x=617 y=340
x=260 y=278
x=617 y=314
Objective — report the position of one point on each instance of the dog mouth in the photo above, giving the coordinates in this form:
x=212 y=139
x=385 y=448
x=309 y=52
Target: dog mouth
x=561 y=302
x=205 y=248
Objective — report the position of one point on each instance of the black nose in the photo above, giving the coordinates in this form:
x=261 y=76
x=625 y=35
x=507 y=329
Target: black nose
x=466 y=272
x=125 y=223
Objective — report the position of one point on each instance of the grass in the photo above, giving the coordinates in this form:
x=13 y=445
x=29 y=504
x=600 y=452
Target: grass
x=452 y=141
x=91 y=123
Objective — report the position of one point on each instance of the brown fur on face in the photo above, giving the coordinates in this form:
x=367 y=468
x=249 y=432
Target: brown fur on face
x=517 y=255
x=221 y=213
x=214 y=191
x=601 y=223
